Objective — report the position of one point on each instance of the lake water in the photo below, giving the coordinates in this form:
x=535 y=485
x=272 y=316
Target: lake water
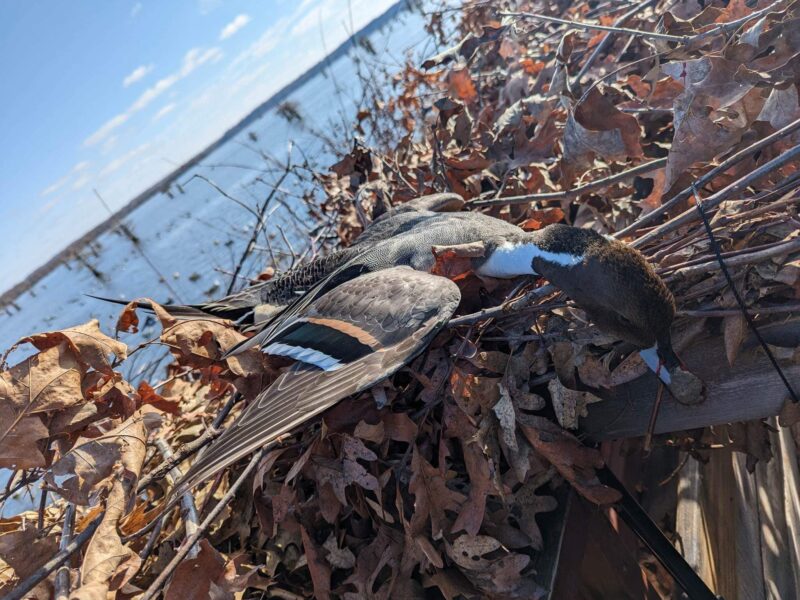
x=190 y=236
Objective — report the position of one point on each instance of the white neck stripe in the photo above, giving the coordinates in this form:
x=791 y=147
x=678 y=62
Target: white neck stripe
x=513 y=260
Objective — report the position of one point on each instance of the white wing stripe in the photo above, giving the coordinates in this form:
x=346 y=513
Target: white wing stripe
x=306 y=355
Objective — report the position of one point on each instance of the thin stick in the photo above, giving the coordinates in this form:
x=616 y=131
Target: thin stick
x=741 y=259
x=51 y=565
x=190 y=447
x=188 y=508
x=681 y=39
x=724 y=268
x=61 y=585
x=715 y=199
x=702 y=181
x=519 y=305
x=575 y=192
x=753 y=310
x=601 y=47
x=648 y=439
x=591 y=26
x=190 y=541
x=257 y=228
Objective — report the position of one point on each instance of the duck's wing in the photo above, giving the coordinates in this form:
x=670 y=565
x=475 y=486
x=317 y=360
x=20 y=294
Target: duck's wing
x=345 y=341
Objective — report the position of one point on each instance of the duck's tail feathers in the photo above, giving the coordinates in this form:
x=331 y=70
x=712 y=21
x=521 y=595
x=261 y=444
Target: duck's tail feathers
x=180 y=311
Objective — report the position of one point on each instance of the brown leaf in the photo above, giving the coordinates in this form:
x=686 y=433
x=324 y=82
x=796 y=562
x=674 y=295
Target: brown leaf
x=432 y=497
x=790 y=413
x=90 y=345
x=128 y=320
x=209 y=575
x=90 y=465
x=47 y=381
x=569 y=404
x=108 y=565
x=735 y=329
x=542 y=218
x=461 y=85
x=19 y=444
x=596 y=127
x=573 y=460
x=25 y=550
x=149 y=396
x=319 y=569
x=470 y=516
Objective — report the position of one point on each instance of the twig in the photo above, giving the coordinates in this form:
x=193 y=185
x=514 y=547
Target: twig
x=61 y=585
x=741 y=259
x=518 y=305
x=601 y=47
x=151 y=541
x=190 y=448
x=21 y=591
x=258 y=227
x=591 y=26
x=648 y=439
x=190 y=541
x=723 y=267
x=574 y=193
x=753 y=310
x=702 y=181
x=681 y=39
x=188 y=508
x=715 y=199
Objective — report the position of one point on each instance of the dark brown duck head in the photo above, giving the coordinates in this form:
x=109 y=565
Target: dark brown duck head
x=619 y=290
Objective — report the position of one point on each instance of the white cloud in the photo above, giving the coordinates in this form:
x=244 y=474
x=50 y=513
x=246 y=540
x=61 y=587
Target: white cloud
x=105 y=129
x=136 y=9
x=136 y=75
x=81 y=182
x=165 y=110
x=118 y=162
x=234 y=26
x=81 y=166
x=193 y=59
x=54 y=187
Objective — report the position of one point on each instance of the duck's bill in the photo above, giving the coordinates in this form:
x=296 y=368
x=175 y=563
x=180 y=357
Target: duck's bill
x=684 y=385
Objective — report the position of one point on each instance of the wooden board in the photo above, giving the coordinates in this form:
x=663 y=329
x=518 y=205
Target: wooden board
x=751 y=389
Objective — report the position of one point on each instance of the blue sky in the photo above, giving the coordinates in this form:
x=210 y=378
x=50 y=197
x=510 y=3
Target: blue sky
x=113 y=95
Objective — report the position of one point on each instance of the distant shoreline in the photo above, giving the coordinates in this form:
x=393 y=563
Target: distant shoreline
x=71 y=251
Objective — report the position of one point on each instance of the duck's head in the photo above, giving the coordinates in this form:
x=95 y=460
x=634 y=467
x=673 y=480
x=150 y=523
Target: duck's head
x=613 y=283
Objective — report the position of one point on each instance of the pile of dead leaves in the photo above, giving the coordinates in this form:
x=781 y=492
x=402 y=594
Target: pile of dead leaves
x=442 y=492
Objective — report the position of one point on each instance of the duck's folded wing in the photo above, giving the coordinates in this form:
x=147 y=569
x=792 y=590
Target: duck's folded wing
x=345 y=341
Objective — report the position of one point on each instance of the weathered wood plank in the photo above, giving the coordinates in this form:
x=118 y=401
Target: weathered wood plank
x=749 y=390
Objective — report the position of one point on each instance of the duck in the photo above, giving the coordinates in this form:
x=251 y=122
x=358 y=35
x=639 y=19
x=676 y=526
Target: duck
x=368 y=310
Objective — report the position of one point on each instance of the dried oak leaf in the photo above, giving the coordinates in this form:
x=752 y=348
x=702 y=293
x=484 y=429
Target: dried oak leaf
x=477 y=557
x=596 y=128
x=108 y=565
x=90 y=345
x=432 y=497
x=573 y=460
x=320 y=570
x=209 y=575
x=90 y=465
x=19 y=440
x=526 y=505
x=341 y=472
x=569 y=404
x=718 y=104
x=44 y=382
x=466 y=48
x=25 y=551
